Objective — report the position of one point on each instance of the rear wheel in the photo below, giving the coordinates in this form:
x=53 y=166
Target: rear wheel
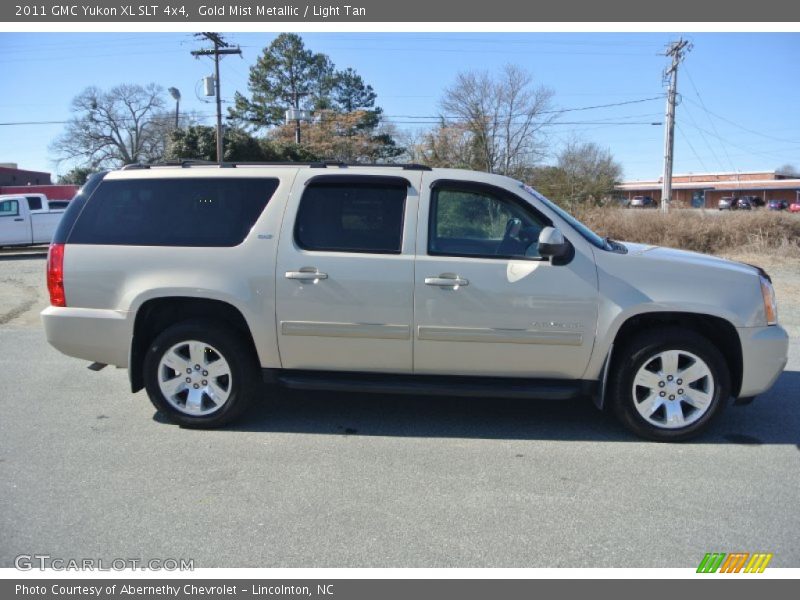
x=200 y=374
x=669 y=384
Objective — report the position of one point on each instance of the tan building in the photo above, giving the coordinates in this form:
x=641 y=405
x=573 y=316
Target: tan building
x=705 y=189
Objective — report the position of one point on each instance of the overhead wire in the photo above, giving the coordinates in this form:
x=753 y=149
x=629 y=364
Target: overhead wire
x=710 y=120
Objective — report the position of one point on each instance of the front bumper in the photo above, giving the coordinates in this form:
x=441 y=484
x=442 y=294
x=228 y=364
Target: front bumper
x=92 y=334
x=765 y=351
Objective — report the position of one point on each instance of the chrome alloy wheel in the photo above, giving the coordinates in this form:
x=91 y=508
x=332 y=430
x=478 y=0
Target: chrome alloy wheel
x=194 y=378
x=673 y=389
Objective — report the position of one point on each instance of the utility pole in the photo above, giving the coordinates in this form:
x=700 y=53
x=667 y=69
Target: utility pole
x=676 y=50
x=296 y=100
x=295 y=114
x=221 y=47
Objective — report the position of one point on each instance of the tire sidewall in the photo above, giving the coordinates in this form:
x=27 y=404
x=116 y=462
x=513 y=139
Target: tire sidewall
x=228 y=345
x=642 y=350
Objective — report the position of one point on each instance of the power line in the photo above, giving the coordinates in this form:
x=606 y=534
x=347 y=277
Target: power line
x=118 y=120
x=708 y=116
x=688 y=113
x=686 y=139
x=481 y=51
x=389 y=121
x=544 y=112
x=743 y=128
x=550 y=124
x=11 y=123
x=750 y=149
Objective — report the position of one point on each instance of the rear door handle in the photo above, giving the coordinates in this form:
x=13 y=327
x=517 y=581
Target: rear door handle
x=20 y=219
x=306 y=274
x=447 y=280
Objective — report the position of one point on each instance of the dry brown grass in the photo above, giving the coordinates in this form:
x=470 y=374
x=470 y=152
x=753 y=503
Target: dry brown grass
x=758 y=232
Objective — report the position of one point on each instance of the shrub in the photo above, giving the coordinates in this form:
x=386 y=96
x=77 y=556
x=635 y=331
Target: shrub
x=760 y=231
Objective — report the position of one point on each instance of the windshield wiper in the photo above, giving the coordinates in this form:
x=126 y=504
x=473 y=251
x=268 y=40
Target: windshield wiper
x=615 y=246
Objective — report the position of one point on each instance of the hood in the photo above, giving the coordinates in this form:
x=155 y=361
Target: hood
x=674 y=256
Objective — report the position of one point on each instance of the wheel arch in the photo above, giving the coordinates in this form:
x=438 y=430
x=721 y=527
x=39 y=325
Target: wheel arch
x=720 y=332
x=156 y=314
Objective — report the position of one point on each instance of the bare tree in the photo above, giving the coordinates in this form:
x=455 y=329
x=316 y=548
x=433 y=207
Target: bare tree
x=788 y=170
x=505 y=116
x=588 y=172
x=446 y=146
x=126 y=124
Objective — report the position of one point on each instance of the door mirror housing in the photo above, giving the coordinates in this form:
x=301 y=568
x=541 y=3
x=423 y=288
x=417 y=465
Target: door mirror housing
x=553 y=246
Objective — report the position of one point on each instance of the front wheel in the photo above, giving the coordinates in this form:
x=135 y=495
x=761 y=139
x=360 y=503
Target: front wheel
x=668 y=384
x=200 y=374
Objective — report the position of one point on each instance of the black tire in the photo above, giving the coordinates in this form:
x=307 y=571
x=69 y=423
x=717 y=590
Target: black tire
x=640 y=351
x=243 y=382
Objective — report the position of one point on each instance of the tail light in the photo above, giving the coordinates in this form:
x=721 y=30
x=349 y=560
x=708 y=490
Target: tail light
x=55 y=275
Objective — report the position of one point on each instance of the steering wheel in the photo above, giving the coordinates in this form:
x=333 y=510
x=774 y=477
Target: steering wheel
x=528 y=235
x=510 y=243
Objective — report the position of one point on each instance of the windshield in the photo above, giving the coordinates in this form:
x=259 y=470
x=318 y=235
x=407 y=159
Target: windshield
x=589 y=235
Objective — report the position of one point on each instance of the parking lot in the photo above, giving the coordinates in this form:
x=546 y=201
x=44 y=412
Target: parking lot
x=88 y=470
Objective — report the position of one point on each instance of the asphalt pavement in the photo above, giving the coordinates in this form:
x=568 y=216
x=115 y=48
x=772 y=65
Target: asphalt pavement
x=88 y=470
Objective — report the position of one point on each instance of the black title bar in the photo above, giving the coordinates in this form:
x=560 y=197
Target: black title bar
x=373 y=11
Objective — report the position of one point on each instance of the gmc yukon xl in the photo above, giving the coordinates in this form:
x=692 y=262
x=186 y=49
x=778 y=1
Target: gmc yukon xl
x=205 y=281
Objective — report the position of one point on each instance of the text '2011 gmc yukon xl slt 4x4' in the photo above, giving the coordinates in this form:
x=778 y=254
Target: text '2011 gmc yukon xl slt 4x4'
x=204 y=281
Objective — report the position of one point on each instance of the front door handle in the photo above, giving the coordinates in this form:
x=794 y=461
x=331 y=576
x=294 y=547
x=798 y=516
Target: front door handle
x=306 y=274
x=447 y=280
x=20 y=219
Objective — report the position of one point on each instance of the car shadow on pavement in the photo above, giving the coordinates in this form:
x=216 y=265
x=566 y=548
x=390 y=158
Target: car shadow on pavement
x=34 y=255
x=771 y=419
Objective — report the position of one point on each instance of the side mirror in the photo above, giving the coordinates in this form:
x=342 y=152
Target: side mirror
x=552 y=244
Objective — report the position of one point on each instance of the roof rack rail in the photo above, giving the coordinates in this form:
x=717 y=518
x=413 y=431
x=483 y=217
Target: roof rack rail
x=317 y=164
x=188 y=162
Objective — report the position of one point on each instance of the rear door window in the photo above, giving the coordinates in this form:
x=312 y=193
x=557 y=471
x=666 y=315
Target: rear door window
x=353 y=216
x=34 y=202
x=173 y=212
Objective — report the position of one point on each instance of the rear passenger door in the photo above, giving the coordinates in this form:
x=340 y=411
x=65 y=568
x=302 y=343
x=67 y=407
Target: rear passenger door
x=345 y=272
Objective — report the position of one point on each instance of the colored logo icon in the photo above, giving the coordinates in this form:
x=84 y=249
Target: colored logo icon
x=735 y=562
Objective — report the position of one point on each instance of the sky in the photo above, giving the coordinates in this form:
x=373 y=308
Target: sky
x=739 y=92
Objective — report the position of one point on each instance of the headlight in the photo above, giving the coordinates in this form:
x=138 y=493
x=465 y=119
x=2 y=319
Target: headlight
x=770 y=303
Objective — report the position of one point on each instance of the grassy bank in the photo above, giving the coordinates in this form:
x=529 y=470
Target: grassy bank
x=758 y=232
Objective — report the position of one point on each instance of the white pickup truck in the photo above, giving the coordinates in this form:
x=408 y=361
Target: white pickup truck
x=27 y=219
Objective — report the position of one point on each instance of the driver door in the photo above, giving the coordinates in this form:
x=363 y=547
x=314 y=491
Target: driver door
x=485 y=302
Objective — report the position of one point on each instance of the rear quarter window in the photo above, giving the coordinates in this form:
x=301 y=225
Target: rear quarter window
x=201 y=212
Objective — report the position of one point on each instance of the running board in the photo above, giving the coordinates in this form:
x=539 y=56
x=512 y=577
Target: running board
x=433 y=385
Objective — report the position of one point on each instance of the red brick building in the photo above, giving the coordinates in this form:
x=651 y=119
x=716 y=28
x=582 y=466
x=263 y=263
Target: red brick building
x=703 y=190
x=11 y=175
x=21 y=181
